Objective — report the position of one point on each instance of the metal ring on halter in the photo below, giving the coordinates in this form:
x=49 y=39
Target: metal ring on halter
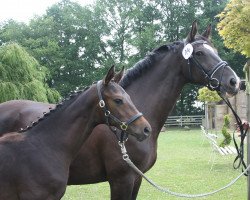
x=101 y=103
x=124 y=126
x=125 y=156
x=217 y=81
x=107 y=113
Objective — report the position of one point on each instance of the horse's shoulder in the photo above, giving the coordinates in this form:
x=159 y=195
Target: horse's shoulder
x=9 y=145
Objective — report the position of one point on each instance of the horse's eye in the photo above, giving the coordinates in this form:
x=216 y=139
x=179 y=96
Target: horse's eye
x=118 y=101
x=199 y=53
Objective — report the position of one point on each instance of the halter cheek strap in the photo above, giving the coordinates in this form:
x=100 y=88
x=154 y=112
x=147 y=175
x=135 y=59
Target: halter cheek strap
x=108 y=115
x=213 y=83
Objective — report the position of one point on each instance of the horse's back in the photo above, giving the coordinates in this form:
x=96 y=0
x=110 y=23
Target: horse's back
x=17 y=114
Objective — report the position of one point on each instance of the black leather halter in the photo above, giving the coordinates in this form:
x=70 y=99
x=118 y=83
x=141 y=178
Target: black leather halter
x=213 y=83
x=108 y=115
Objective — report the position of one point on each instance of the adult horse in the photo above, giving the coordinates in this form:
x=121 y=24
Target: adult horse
x=34 y=165
x=154 y=84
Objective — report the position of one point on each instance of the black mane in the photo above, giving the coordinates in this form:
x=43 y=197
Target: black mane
x=146 y=63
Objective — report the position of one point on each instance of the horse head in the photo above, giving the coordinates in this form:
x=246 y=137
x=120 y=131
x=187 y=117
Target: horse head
x=204 y=66
x=118 y=108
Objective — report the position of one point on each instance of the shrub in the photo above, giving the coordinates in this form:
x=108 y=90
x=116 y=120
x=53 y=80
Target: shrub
x=225 y=132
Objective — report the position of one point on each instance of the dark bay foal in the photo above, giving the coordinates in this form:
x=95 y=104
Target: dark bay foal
x=34 y=165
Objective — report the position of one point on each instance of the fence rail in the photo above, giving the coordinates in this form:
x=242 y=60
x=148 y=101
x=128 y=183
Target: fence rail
x=187 y=120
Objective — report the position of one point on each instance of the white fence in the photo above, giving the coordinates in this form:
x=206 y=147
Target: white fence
x=187 y=120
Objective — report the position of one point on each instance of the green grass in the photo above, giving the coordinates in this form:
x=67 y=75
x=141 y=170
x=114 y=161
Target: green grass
x=182 y=166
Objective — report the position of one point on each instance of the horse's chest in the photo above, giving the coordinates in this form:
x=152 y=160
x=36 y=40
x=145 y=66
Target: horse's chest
x=144 y=157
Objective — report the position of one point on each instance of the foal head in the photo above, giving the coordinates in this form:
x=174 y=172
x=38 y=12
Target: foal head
x=118 y=109
x=204 y=66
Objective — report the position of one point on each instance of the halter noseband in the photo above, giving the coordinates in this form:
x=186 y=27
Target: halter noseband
x=108 y=115
x=213 y=83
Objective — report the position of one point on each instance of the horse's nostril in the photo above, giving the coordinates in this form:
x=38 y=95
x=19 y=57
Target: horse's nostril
x=232 y=82
x=146 y=130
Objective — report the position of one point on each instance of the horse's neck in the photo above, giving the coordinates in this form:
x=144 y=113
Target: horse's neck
x=155 y=93
x=67 y=128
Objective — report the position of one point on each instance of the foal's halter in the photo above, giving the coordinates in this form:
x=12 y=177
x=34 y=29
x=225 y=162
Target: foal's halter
x=108 y=115
x=213 y=83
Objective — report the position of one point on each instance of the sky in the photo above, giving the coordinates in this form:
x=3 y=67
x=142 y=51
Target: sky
x=24 y=10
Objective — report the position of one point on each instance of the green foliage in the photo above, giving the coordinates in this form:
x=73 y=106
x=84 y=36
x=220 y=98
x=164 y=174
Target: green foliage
x=227 y=121
x=21 y=76
x=185 y=104
x=13 y=55
x=206 y=95
x=225 y=132
x=212 y=8
x=234 y=26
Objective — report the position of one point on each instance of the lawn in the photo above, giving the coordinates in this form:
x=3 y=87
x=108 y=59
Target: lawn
x=184 y=166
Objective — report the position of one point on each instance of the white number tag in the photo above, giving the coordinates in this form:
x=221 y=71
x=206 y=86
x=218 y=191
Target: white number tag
x=187 y=51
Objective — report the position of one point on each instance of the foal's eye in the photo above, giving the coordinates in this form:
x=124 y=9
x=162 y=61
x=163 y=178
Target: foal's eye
x=199 y=53
x=118 y=101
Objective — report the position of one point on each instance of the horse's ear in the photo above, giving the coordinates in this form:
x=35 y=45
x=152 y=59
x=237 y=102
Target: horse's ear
x=109 y=76
x=119 y=75
x=207 y=32
x=192 y=33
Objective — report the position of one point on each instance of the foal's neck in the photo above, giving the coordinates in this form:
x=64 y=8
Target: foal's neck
x=69 y=126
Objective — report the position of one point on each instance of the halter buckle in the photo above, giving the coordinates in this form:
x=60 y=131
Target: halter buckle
x=107 y=113
x=101 y=103
x=214 y=86
x=124 y=126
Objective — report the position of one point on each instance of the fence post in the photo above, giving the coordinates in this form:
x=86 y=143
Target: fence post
x=206 y=116
x=247 y=72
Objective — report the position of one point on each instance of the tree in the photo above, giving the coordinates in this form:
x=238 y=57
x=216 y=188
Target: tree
x=131 y=31
x=12 y=31
x=69 y=48
x=234 y=26
x=210 y=9
x=66 y=40
x=22 y=77
x=206 y=95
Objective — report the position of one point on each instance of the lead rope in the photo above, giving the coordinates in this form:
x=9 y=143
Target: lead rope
x=125 y=157
x=240 y=149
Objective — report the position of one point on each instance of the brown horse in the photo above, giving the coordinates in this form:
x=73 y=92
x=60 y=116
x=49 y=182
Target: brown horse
x=34 y=165
x=163 y=74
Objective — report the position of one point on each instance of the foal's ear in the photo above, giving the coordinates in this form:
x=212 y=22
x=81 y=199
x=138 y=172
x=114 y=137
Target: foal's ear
x=110 y=75
x=192 y=33
x=207 y=32
x=119 y=75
